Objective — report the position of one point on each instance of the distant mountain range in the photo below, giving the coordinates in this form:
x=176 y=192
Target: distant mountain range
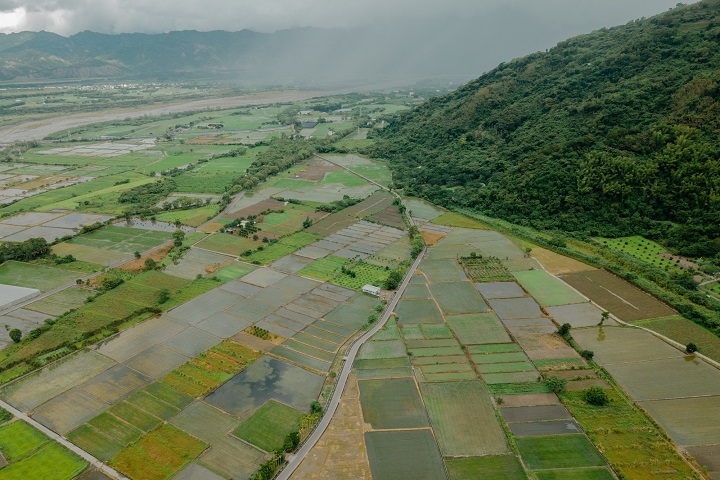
x=296 y=55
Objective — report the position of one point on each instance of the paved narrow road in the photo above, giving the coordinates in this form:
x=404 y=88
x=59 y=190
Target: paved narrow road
x=344 y=373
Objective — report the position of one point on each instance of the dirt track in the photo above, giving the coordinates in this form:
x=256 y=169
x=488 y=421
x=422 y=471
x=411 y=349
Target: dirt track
x=39 y=129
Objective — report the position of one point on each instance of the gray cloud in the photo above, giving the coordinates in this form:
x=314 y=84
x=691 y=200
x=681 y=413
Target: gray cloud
x=118 y=16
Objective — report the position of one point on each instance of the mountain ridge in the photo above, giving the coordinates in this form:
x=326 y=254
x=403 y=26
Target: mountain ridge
x=614 y=132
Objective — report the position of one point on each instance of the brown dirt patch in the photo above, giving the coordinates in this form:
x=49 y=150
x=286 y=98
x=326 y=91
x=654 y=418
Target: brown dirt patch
x=390 y=216
x=558 y=264
x=211 y=227
x=621 y=298
x=41 y=182
x=431 y=238
x=253 y=342
x=210 y=269
x=272 y=338
x=218 y=139
x=577 y=385
x=340 y=453
x=269 y=204
x=529 y=400
x=315 y=170
x=545 y=346
x=138 y=265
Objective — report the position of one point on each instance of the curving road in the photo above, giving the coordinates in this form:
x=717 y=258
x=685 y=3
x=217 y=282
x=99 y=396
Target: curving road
x=344 y=373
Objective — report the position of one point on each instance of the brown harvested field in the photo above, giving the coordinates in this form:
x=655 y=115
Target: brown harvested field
x=138 y=265
x=316 y=169
x=558 y=264
x=619 y=297
x=211 y=227
x=431 y=238
x=390 y=216
x=253 y=342
x=340 y=453
x=269 y=204
x=545 y=346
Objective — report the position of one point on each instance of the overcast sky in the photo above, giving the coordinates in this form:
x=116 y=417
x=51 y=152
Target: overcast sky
x=66 y=17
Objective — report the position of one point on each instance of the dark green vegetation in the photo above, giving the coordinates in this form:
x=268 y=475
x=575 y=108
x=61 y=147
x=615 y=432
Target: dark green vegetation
x=611 y=133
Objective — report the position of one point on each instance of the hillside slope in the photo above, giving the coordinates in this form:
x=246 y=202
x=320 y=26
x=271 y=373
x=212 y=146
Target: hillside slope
x=612 y=133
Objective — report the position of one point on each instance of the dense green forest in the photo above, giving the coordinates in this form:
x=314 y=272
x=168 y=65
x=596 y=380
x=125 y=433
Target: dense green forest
x=612 y=133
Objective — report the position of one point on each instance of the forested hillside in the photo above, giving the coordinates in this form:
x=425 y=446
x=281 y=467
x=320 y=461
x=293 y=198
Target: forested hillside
x=614 y=132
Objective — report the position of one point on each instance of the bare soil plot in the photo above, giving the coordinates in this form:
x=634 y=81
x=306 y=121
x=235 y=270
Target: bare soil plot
x=463 y=419
x=530 y=400
x=547 y=289
x=59 y=303
x=708 y=457
x=491 y=290
x=69 y=410
x=666 y=378
x=205 y=306
x=223 y=325
x=267 y=378
x=40 y=386
x=482 y=328
x=375 y=203
x=256 y=209
x=504 y=467
x=114 y=384
x=516 y=308
x=191 y=341
x=392 y=403
x=404 y=454
x=621 y=345
x=156 y=361
x=195 y=471
x=291 y=263
x=689 y=421
x=558 y=264
x=535 y=413
x=197 y=262
x=340 y=452
x=132 y=341
x=390 y=216
x=578 y=315
x=545 y=346
x=618 y=296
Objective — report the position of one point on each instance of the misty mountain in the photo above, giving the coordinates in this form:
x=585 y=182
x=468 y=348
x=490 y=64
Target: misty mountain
x=296 y=55
x=611 y=133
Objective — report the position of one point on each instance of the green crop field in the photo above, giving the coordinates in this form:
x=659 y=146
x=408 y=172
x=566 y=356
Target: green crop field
x=482 y=328
x=503 y=467
x=95 y=442
x=134 y=416
x=284 y=246
x=576 y=474
x=463 y=418
x=60 y=302
x=365 y=274
x=392 y=403
x=117 y=430
x=546 y=289
x=458 y=297
x=619 y=427
x=18 y=439
x=418 y=311
x=642 y=249
x=158 y=455
x=227 y=243
x=324 y=268
x=452 y=219
x=193 y=217
x=558 y=451
x=269 y=425
x=208 y=370
x=382 y=349
x=404 y=454
x=36 y=276
x=51 y=462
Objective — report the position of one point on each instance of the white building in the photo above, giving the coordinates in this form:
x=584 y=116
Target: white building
x=372 y=290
